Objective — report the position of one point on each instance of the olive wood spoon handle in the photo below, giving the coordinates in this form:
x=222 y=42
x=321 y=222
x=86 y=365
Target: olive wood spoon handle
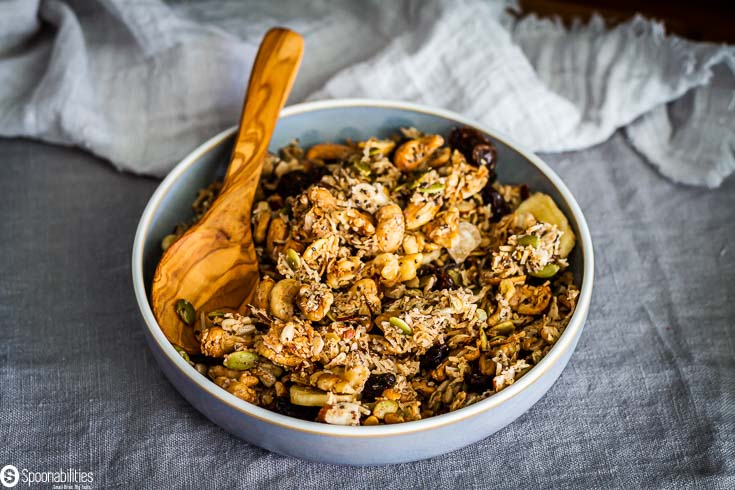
x=213 y=265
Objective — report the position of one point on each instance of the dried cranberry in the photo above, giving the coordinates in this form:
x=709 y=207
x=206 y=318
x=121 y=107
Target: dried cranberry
x=465 y=139
x=293 y=183
x=206 y=360
x=474 y=145
x=498 y=205
x=526 y=354
x=484 y=155
x=376 y=384
x=296 y=182
x=479 y=383
x=525 y=192
x=443 y=279
x=434 y=356
x=283 y=405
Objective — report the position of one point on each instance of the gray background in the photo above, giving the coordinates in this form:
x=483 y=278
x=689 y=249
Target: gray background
x=648 y=399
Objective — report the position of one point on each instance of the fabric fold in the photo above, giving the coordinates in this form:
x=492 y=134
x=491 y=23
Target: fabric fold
x=143 y=83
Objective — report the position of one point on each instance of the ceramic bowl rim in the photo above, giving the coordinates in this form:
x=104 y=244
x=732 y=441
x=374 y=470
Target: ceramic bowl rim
x=565 y=342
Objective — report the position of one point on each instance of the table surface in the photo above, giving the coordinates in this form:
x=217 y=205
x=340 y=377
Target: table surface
x=647 y=400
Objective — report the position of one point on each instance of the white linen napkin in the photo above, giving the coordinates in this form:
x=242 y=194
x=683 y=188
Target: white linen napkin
x=142 y=83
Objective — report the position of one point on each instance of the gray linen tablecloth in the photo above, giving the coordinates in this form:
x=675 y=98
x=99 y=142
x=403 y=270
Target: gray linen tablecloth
x=648 y=399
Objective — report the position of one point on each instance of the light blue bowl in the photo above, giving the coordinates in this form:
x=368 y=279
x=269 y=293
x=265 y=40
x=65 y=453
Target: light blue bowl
x=334 y=121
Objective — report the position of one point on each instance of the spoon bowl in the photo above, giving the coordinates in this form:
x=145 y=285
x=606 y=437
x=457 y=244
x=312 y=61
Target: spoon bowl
x=213 y=264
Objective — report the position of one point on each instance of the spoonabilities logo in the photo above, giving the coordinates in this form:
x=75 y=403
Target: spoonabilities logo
x=9 y=476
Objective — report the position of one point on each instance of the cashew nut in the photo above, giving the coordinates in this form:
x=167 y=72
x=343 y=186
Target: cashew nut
x=261 y=219
x=418 y=214
x=282 y=296
x=218 y=371
x=444 y=227
x=391 y=228
x=263 y=292
x=348 y=381
x=411 y=244
x=329 y=152
x=387 y=265
x=413 y=153
x=277 y=233
x=439 y=157
x=408 y=265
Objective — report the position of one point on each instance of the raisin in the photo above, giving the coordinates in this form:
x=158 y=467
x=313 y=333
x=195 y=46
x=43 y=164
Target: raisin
x=434 y=356
x=283 y=405
x=475 y=147
x=526 y=354
x=293 y=183
x=465 y=139
x=484 y=155
x=206 y=360
x=443 y=279
x=296 y=182
x=499 y=205
x=376 y=384
x=479 y=383
x=525 y=192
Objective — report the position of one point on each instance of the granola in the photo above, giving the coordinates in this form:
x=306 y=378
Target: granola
x=399 y=280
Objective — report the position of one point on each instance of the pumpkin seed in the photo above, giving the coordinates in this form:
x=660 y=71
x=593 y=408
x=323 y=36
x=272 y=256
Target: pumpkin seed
x=400 y=324
x=433 y=188
x=363 y=168
x=292 y=259
x=456 y=277
x=384 y=407
x=182 y=352
x=215 y=314
x=483 y=339
x=186 y=312
x=306 y=396
x=531 y=240
x=503 y=328
x=481 y=315
x=417 y=180
x=241 y=360
x=548 y=271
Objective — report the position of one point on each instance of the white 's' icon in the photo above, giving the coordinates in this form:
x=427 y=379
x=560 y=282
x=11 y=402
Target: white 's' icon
x=9 y=476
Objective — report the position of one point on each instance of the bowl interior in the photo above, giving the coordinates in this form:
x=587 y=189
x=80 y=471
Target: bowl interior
x=336 y=124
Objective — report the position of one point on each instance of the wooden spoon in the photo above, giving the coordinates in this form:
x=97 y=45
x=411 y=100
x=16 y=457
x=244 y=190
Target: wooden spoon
x=213 y=265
